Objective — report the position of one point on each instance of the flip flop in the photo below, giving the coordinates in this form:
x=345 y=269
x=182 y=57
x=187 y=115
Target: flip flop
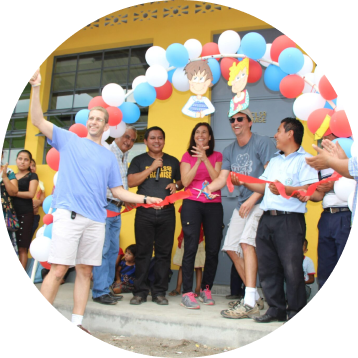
x=174 y=293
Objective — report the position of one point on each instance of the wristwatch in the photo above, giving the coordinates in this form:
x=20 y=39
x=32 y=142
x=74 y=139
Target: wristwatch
x=145 y=199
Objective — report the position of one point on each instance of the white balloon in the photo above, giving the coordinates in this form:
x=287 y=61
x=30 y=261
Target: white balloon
x=308 y=88
x=180 y=80
x=40 y=248
x=305 y=104
x=155 y=55
x=105 y=135
x=354 y=149
x=156 y=75
x=307 y=66
x=118 y=131
x=113 y=94
x=194 y=48
x=55 y=179
x=343 y=187
x=318 y=74
x=267 y=56
x=138 y=80
x=350 y=201
x=41 y=230
x=229 y=42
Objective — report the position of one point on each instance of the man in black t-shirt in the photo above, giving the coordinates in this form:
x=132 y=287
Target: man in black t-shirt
x=154 y=172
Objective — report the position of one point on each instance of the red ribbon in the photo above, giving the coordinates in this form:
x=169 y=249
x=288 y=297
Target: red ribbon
x=280 y=187
x=171 y=199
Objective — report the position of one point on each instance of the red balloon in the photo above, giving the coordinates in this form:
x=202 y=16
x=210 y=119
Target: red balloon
x=209 y=49
x=255 y=71
x=225 y=65
x=326 y=90
x=79 y=129
x=115 y=116
x=316 y=118
x=45 y=265
x=97 y=102
x=48 y=219
x=165 y=91
x=278 y=45
x=53 y=159
x=339 y=125
x=292 y=86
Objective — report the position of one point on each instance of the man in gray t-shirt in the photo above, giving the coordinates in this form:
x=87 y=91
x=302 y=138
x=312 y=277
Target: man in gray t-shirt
x=248 y=155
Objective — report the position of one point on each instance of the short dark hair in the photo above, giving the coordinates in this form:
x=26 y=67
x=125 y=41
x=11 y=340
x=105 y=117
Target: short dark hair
x=211 y=141
x=132 y=249
x=155 y=128
x=293 y=124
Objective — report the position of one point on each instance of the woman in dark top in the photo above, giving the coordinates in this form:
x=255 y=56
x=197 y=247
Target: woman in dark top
x=22 y=202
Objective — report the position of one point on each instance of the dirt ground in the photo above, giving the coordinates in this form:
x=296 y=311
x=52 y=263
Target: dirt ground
x=159 y=347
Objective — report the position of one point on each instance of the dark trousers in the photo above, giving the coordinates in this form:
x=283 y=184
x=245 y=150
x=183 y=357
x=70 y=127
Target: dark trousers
x=279 y=251
x=237 y=287
x=153 y=228
x=36 y=224
x=193 y=214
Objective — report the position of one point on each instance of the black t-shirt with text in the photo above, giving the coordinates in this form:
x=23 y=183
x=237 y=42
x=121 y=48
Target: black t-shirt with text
x=169 y=172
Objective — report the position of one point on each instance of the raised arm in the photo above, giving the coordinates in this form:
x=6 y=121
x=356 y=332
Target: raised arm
x=11 y=186
x=37 y=117
x=138 y=178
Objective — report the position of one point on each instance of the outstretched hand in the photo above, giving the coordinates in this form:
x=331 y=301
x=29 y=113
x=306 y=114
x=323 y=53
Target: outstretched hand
x=320 y=161
x=334 y=149
x=273 y=188
x=36 y=78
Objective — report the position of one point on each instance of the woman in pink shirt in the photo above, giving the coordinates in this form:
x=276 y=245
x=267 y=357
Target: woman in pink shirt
x=198 y=164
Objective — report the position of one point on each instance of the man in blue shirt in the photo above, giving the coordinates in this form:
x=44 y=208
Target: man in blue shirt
x=282 y=228
x=86 y=170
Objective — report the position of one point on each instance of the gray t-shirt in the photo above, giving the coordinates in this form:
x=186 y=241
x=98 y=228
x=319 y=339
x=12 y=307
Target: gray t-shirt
x=248 y=160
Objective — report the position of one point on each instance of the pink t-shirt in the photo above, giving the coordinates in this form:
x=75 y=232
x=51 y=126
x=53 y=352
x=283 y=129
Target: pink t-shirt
x=202 y=174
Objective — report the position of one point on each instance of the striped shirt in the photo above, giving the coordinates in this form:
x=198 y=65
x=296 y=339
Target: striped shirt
x=122 y=159
x=353 y=171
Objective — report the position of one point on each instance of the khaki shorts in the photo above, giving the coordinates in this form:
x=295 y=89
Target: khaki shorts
x=76 y=241
x=199 y=257
x=242 y=231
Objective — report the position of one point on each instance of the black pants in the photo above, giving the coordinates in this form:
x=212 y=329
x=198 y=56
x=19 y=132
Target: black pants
x=153 y=227
x=36 y=224
x=279 y=251
x=193 y=214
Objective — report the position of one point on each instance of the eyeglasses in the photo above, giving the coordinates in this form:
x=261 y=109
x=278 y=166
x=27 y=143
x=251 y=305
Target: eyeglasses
x=239 y=119
x=96 y=119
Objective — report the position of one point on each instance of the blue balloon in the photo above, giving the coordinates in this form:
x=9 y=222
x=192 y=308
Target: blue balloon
x=170 y=75
x=239 y=51
x=253 y=45
x=46 y=205
x=82 y=116
x=215 y=69
x=327 y=105
x=130 y=111
x=145 y=94
x=48 y=231
x=177 y=55
x=273 y=77
x=291 y=60
x=346 y=144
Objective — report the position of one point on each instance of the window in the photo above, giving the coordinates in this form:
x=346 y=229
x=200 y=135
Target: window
x=77 y=78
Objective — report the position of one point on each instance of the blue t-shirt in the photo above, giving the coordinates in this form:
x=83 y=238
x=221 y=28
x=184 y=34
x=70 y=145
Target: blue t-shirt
x=86 y=170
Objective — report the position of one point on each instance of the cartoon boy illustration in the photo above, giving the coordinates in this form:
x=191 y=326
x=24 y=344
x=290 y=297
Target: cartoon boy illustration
x=200 y=79
x=238 y=80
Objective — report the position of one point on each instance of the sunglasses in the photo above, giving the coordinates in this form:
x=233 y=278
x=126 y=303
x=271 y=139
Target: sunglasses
x=239 y=119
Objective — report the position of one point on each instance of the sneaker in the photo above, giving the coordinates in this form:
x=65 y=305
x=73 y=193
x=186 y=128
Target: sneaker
x=260 y=302
x=241 y=311
x=205 y=297
x=232 y=304
x=116 y=297
x=188 y=301
x=105 y=300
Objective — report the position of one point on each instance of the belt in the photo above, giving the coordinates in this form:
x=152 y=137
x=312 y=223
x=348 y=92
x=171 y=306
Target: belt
x=335 y=210
x=278 y=212
x=116 y=203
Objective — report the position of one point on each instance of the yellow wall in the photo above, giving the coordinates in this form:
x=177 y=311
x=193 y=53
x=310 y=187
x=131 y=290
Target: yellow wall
x=161 y=31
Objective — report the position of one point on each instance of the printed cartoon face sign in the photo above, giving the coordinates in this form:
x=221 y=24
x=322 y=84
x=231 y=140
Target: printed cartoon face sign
x=200 y=79
x=239 y=74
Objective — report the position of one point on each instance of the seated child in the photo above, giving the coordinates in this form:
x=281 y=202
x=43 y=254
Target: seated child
x=308 y=269
x=125 y=271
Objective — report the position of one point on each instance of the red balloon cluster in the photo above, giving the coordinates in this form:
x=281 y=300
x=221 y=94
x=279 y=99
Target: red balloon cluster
x=317 y=117
x=209 y=49
x=165 y=91
x=225 y=65
x=339 y=125
x=97 y=102
x=255 y=71
x=326 y=90
x=278 y=45
x=115 y=116
x=292 y=86
x=53 y=159
x=48 y=219
x=79 y=129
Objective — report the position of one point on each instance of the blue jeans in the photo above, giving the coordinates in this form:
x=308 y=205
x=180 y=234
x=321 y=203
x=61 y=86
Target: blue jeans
x=103 y=276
